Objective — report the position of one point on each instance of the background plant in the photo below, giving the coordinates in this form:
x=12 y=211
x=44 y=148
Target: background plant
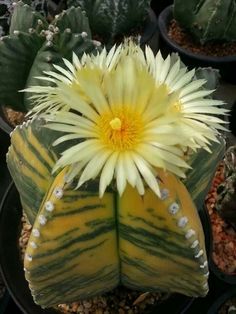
x=34 y=44
x=226 y=200
x=111 y=20
x=207 y=20
x=48 y=8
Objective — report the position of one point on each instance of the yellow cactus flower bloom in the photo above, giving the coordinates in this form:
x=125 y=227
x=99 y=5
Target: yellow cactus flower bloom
x=131 y=112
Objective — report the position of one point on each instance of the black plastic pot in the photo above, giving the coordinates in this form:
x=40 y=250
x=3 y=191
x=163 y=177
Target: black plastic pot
x=4 y=144
x=159 y=5
x=226 y=65
x=231 y=293
x=4 y=302
x=12 y=268
x=150 y=34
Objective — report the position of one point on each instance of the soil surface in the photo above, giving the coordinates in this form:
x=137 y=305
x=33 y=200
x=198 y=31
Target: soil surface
x=13 y=117
x=185 y=40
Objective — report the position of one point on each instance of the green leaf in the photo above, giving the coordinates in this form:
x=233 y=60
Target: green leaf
x=17 y=54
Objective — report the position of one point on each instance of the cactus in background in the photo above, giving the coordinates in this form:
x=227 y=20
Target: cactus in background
x=226 y=192
x=104 y=176
x=112 y=20
x=5 y=13
x=207 y=20
x=47 y=8
x=33 y=45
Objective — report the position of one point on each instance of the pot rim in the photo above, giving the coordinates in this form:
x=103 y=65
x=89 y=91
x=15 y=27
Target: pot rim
x=221 y=300
x=164 y=17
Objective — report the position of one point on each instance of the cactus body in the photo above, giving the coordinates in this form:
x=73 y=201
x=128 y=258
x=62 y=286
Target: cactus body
x=207 y=20
x=150 y=244
x=33 y=46
x=110 y=20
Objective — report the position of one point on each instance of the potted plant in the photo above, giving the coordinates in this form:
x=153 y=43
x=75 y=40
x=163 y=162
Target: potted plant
x=42 y=42
x=221 y=204
x=111 y=21
x=39 y=44
x=98 y=176
x=203 y=33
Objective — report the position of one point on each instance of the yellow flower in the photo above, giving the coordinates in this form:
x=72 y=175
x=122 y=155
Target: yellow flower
x=132 y=113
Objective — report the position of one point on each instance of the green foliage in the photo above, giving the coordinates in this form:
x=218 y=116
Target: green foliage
x=207 y=20
x=112 y=19
x=34 y=45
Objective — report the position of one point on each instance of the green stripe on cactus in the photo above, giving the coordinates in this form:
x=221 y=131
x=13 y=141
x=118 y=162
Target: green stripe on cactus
x=32 y=145
x=24 y=19
x=154 y=251
x=198 y=179
x=206 y=19
x=86 y=261
x=73 y=19
x=17 y=54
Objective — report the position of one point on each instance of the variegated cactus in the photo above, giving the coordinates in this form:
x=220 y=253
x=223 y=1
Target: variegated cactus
x=207 y=20
x=33 y=46
x=99 y=171
x=111 y=20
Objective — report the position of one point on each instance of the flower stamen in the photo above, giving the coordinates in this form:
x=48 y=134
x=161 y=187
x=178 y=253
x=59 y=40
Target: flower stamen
x=116 y=124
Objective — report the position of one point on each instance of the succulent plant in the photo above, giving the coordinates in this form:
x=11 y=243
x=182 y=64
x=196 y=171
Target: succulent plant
x=226 y=199
x=99 y=170
x=47 y=8
x=34 y=45
x=112 y=20
x=207 y=20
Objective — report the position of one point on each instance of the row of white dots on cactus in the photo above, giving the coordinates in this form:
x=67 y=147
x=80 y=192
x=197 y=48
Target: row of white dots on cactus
x=49 y=206
x=182 y=222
